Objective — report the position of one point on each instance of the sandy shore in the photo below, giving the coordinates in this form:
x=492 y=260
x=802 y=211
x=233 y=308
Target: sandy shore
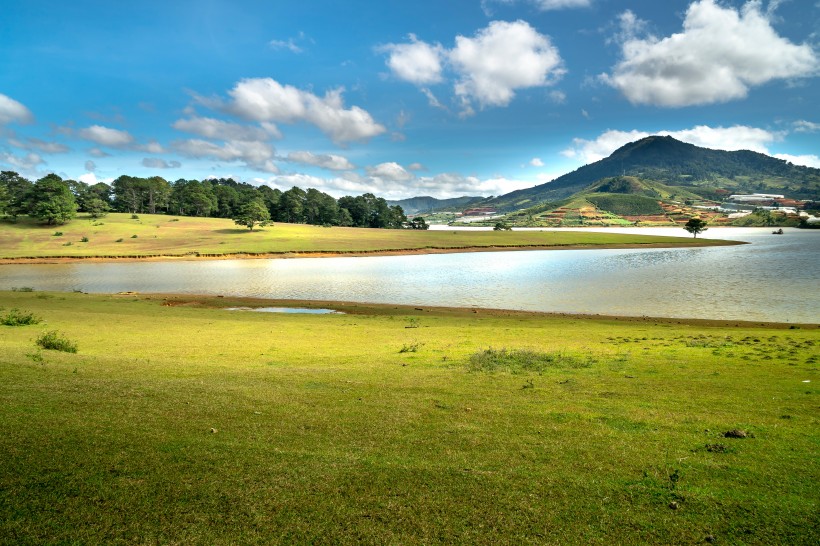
x=338 y=254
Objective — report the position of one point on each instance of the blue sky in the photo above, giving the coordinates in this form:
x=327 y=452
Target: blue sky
x=463 y=97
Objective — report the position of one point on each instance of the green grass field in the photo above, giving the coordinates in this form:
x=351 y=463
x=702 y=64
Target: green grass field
x=118 y=235
x=178 y=422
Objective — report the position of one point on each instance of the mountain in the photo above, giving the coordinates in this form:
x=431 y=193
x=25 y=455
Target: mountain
x=702 y=171
x=416 y=205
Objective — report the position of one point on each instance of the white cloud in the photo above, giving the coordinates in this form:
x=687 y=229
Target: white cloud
x=536 y=162
x=488 y=68
x=417 y=62
x=805 y=160
x=389 y=171
x=90 y=166
x=27 y=164
x=89 y=178
x=39 y=145
x=224 y=130
x=543 y=5
x=416 y=167
x=13 y=111
x=441 y=185
x=738 y=137
x=288 y=44
x=718 y=56
x=332 y=162
x=558 y=97
x=152 y=147
x=256 y=155
x=803 y=126
x=106 y=136
x=96 y=152
x=501 y=59
x=266 y=100
x=157 y=163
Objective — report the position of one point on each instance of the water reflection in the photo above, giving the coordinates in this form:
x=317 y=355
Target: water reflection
x=775 y=278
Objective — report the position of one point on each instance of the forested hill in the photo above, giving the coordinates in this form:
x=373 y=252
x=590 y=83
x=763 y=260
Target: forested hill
x=676 y=163
x=426 y=203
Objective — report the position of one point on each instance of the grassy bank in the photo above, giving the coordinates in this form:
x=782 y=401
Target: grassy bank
x=180 y=422
x=120 y=235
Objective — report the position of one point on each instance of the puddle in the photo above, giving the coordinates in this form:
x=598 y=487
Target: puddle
x=302 y=310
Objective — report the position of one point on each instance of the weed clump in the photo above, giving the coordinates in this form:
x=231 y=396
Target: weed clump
x=15 y=317
x=54 y=341
x=525 y=360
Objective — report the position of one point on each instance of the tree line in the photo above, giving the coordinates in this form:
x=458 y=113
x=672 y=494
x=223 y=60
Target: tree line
x=55 y=201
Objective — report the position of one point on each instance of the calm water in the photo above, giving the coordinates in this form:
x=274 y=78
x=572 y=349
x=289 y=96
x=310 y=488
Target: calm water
x=775 y=278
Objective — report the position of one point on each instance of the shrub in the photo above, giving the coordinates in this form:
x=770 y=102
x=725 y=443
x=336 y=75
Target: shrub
x=118 y=240
x=15 y=317
x=521 y=360
x=68 y=243
x=22 y=289
x=134 y=236
x=58 y=234
x=54 y=341
x=84 y=240
x=135 y=217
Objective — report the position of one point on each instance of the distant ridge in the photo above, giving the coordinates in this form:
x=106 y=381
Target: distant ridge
x=425 y=203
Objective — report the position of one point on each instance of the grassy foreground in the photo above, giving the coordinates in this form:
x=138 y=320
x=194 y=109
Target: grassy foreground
x=180 y=422
x=118 y=235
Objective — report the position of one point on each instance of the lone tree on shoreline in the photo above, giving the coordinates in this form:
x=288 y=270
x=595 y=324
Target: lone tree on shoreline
x=695 y=226
x=253 y=213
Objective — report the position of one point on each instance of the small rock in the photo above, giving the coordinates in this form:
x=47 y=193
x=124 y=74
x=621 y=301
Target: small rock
x=214 y=431
x=735 y=433
x=709 y=538
x=673 y=505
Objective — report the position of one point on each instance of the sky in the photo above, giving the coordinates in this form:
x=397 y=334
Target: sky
x=397 y=98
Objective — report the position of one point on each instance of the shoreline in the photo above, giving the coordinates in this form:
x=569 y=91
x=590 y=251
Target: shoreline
x=360 y=308
x=197 y=256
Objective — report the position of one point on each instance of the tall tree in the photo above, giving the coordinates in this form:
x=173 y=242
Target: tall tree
x=695 y=226
x=14 y=193
x=50 y=199
x=252 y=213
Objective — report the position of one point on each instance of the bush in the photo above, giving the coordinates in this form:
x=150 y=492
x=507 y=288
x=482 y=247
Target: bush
x=54 y=341
x=134 y=236
x=521 y=360
x=22 y=289
x=118 y=240
x=15 y=317
x=58 y=234
x=135 y=217
x=84 y=240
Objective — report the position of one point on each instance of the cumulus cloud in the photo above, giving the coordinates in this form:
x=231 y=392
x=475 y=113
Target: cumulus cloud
x=416 y=167
x=157 y=163
x=502 y=58
x=326 y=161
x=536 y=162
x=105 y=136
x=738 y=137
x=224 y=130
x=808 y=160
x=389 y=171
x=720 y=54
x=417 y=62
x=90 y=166
x=256 y=155
x=13 y=111
x=441 y=185
x=488 y=67
x=266 y=100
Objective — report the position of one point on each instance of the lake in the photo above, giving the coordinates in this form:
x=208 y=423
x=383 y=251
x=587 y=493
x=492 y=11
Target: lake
x=775 y=278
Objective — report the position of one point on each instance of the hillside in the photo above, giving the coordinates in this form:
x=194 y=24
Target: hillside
x=416 y=205
x=680 y=167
